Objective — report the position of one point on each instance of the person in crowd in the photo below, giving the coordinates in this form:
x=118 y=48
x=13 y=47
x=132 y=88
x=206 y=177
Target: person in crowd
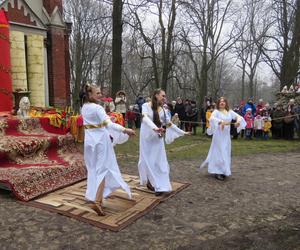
x=120 y=103
x=260 y=105
x=107 y=101
x=267 y=127
x=153 y=165
x=179 y=109
x=187 y=111
x=277 y=121
x=233 y=129
x=172 y=107
x=138 y=115
x=203 y=119
x=297 y=119
x=258 y=125
x=219 y=155
x=209 y=111
x=289 y=121
x=193 y=117
x=102 y=178
x=249 y=124
x=140 y=101
x=250 y=105
x=130 y=117
x=175 y=120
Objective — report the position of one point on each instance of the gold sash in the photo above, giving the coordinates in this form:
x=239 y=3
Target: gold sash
x=101 y=125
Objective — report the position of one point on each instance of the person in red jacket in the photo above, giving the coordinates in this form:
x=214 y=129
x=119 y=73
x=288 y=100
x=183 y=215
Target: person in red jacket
x=130 y=117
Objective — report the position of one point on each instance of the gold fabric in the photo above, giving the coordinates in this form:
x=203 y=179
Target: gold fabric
x=101 y=125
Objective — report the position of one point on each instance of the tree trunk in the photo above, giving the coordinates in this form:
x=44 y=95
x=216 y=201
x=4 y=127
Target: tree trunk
x=117 y=47
x=243 y=83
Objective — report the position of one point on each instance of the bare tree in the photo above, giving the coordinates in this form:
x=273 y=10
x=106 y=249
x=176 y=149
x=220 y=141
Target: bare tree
x=282 y=53
x=249 y=46
x=207 y=20
x=91 y=28
x=160 y=40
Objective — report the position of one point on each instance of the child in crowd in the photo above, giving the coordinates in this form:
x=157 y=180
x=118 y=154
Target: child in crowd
x=249 y=127
x=267 y=127
x=258 y=126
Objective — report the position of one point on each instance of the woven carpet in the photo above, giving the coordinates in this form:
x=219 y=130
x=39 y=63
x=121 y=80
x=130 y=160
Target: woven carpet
x=36 y=158
x=120 y=211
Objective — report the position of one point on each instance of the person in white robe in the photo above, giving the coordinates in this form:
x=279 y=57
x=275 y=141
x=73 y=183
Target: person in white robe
x=219 y=155
x=103 y=174
x=156 y=129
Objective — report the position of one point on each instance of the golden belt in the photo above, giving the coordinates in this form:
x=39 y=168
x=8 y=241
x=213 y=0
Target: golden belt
x=101 y=125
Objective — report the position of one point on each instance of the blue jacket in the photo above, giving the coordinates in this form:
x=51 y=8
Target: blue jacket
x=249 y=105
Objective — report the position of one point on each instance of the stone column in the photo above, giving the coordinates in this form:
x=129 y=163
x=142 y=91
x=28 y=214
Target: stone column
x=36 y=69
x=18 y=61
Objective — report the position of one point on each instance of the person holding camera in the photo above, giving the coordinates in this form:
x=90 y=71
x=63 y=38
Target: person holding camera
x=120 y=103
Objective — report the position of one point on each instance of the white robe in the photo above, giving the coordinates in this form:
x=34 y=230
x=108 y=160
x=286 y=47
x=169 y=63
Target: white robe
x=99 y=155
x=219 y=155
x=153 y=164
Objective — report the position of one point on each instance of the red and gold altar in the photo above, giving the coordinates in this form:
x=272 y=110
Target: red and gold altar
x=6 y=103
x=39 y=154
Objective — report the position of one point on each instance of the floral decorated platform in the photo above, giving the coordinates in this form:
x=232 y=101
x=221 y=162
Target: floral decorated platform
x=37 y=158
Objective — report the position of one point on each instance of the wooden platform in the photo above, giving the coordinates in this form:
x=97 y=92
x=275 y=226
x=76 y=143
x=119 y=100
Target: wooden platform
x=120 y=211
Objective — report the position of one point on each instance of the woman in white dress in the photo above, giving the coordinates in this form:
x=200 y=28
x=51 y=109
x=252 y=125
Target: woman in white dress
x=103 y=174
x=219 y=155
x=153 y=164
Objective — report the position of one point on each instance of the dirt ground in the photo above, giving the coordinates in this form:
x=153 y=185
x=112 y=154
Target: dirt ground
x=257 y=208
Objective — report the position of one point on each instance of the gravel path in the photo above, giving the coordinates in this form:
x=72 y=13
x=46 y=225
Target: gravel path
x=257 y=208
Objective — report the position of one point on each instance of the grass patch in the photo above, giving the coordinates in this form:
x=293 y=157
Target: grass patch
x=195 y=147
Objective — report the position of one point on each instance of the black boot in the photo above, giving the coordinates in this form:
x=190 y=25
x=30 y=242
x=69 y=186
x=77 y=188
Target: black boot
x=219 y=177
x=150 y=187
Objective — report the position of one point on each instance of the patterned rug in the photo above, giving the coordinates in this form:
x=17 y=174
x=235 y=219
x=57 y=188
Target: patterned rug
x=120 y=211
x=36 y=159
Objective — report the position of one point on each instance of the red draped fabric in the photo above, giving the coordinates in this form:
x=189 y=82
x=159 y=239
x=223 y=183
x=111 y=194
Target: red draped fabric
x=6 y=101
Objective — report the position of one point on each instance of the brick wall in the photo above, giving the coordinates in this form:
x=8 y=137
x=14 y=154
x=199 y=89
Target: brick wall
x=51 y=4
x=17 y=15
x=58 y=68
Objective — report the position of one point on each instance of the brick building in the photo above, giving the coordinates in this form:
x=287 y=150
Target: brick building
x=39 y=39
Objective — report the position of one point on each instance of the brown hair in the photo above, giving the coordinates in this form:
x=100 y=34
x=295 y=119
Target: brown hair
x=226 y=103
x=154 y=102
x=84 y=94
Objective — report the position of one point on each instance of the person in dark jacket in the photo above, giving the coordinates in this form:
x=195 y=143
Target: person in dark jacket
x=289 y=121
x=187 y=110
x=179 y=109
x=193 y=117
x=277 y=122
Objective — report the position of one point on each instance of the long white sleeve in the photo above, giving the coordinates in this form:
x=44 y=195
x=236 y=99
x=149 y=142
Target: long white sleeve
x=146 y=120
x=172 y=133
x=116 y=132
x=111 y=125
x=239 y=119
x=213 y=122
x=149 y=122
